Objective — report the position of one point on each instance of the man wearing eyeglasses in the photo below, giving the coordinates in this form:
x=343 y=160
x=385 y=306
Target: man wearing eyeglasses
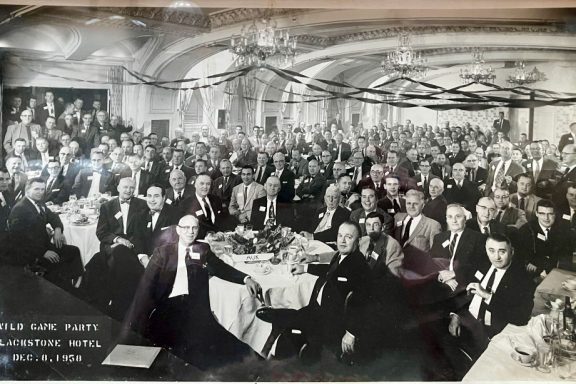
x=507 y=214
x=172 y=306
x=57 y=190
x=375 y=181
x=24 y=129
x=568 y=170
x=484 y=221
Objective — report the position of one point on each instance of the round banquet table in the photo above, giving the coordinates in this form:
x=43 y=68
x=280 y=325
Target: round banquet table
x=235 y=309
x=83 y=237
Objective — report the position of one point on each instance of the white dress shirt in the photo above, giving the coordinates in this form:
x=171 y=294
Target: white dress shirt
x=474 y=307
x=124 y=208
x=415 y=221
x=155 y=219
x=201 y=201
x=268 y=210
x=181 y=281
x=95 y=186
x=452 y=234
x=137 y=183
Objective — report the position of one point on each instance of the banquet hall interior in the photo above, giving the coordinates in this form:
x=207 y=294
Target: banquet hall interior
x=267 y=72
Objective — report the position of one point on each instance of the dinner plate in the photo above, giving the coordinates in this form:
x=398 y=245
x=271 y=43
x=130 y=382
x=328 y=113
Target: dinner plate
x=263 y=271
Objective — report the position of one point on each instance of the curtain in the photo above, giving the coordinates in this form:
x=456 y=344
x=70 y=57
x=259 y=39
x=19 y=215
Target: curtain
x=184 y=100
x=115 y=77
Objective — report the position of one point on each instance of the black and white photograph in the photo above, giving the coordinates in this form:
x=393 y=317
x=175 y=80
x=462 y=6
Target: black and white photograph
x=288 y=191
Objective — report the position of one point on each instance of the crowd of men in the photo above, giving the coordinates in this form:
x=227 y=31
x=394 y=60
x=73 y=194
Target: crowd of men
x=434 y=212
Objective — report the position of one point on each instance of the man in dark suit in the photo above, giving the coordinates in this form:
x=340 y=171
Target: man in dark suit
x=422 y=180
x=67 y=169
x=205 y=207
x=326 y=220
x=310 y=189
x=501 y=124
x=459 y=190
x=286 y=177
x=116 y=221
x=151 y=229
x=327 y=321
x=340 y=151
x=298 y=164
x=507 y=214
x=222 y=187
x=141 y=177
x=476 y=174
x=57 y=189
x=568 y=174
x=524 y=199
x=543 y=171
x=568 y=138
x=441 y=167
x=393 y=167
x=213 y=162
x=501 y=294
x=24 y=129
x=93 y=180
x=172 y=302
x=375 y=181
x=177 y=162
x=459 y=249
x=151 y=163
x=546 y=242
x=262 y=170
x=48 y=108
x=369 y=204
x=17 y=177
x=392 y=203
x=6 y=204
x=337 y=121
x=179 y=191
x=435 y=207
x=270 y=209
x=456 y=155
x=327 y=165
x=28 y=223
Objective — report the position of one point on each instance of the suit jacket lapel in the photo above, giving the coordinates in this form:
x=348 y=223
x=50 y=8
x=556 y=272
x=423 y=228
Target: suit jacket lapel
x=417 y=230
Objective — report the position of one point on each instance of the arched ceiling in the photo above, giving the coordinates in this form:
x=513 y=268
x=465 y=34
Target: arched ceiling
x=352 y=38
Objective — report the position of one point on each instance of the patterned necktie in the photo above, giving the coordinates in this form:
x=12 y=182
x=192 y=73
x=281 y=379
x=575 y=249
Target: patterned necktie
x=500 y=175
x=209 y=211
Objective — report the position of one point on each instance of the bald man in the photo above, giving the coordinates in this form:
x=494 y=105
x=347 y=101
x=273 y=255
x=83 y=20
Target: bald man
x=172 y=306
x=375 y=181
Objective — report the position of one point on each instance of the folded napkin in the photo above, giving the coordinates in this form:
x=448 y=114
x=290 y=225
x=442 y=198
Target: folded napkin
x=540 y=326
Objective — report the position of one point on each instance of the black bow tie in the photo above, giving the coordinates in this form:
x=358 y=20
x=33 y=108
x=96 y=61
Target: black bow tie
x=152 y=212
x=127 y=201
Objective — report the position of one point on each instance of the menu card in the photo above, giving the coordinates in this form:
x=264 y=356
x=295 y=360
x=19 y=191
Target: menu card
x=132 y=356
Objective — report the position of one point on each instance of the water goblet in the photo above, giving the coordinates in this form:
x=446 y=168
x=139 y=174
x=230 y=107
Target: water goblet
x=544 y=357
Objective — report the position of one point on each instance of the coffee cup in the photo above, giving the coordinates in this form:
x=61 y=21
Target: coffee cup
x=524 y=355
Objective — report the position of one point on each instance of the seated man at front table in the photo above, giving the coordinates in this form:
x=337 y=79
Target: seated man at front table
x=172 y=307
x=270 y=209
x=205 y=207
x=57 y=189
x=151 y=229
x=324 y=224
x=327 y=321
x=179 y=191
x=501 y=294
x=368 y=200
x=460 y=249
x=286 y=177
x=28 y=224
x=383 y=253
x=94 y=180
x=244 y=194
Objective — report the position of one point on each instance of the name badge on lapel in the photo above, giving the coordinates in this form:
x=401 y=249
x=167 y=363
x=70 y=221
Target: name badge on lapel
x=168 y=201
x=446 y=243
x=56 y=190
x=210 y=168
x=262 y=209
x=321 y=215
x=391 y=210
x=449 y=186
x=479 y=275
x=566 y=217
x=284 y=182
x=149 y=225
x=488 y=318
x=541 y=237
x=199 y=212
x=419 y=183
x=362 y=220
x=398 y=223
x=89 y=178
x=167 y=171
x=164 y=228
x=528 y=165
x=220 y=186
x=374 y=255
x=342 y=278
x=118 y=215
x=195 y=255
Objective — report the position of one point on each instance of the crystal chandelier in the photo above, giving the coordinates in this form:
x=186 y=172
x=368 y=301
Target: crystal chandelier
x=477 y=71
x=523 y=76
x=263 y=44
x=403 y=62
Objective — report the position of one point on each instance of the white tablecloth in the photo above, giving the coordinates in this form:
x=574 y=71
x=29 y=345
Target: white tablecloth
x=235 y=310
x=83 y=237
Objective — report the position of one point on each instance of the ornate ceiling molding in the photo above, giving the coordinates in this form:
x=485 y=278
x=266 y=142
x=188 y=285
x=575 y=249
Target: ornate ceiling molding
x=238 y=15
x=164 y=15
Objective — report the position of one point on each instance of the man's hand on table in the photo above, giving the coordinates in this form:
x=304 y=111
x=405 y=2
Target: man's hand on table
x=454 y=326
x=59 y=239
x=446 y=275
x=52 y=257
x=306 y=258
x=144 y=259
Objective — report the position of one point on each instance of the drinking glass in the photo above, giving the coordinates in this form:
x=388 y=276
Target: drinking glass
x=228 y=250
x=72 y=199
x=544 y=357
